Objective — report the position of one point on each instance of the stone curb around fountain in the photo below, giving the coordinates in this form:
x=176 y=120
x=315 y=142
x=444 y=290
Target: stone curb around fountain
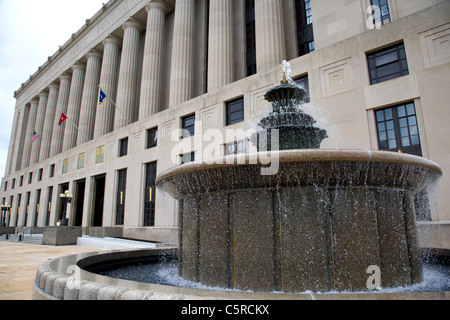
x=53 y=283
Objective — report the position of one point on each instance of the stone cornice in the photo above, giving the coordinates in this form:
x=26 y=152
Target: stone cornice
x=63 y=48
x=108 y=19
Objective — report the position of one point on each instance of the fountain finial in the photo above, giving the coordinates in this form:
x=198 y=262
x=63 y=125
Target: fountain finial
x=287 y=72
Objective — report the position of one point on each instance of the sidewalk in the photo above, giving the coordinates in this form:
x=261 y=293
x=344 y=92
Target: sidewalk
x=19 y=262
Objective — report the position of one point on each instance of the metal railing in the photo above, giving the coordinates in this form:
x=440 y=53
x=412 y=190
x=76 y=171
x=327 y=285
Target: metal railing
x=20 y=231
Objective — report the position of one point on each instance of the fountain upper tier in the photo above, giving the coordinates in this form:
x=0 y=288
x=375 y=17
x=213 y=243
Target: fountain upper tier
x=295 y=129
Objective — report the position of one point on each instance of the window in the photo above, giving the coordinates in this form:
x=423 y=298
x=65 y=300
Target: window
x=187 y=157
x=235 y=111
x=152 y=138
x=13 y=183
x=51 y=173
x=303 y=82
x=40 y=174
x=308 y=12
x=206 y=61
x=149 y=194
x=5 y=188
x=20 y=181
x=36 y=211
x=188 y=126
x=81 y=160
x=250 y=37
x=65 y=166
x=120 y=202
x=99 y=156
x=380 y=12
x=18 y=210
x=235 y=148
x=387 y=64
x=305 y=34
x=8 y=217
x=30 y=177
x=27 y=209
x=123 y=147
x=398 y=129
x=49 y=205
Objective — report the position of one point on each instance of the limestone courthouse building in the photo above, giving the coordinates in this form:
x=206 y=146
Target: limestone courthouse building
x=146 y=85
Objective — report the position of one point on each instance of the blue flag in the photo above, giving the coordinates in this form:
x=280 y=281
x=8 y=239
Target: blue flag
x=102 y=97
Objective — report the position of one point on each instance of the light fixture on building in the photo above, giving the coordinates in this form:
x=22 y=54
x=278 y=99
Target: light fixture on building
x=5 y=208
x=66 y=198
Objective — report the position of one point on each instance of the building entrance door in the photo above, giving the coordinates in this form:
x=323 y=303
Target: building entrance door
x=80 y=187
x=99 y=197
x=62 y=189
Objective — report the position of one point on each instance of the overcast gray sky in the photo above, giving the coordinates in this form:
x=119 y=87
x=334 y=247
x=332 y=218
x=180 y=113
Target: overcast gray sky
x=30 y=32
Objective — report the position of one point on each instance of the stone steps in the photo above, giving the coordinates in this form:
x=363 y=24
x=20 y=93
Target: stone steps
x=106 y=243
x=35 y=239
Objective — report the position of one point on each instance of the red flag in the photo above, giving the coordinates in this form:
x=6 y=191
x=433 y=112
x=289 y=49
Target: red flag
x=62 y=119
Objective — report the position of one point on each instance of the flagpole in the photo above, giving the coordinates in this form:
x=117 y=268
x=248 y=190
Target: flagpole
x=123 y=114
x=73 y=123
x=42 y=138
x=49 y=143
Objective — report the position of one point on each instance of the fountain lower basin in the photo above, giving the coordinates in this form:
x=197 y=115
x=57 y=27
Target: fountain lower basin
x=76 y=277
x=320 y=223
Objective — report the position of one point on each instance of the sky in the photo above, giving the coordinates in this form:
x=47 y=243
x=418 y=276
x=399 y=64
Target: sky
x=30 y=32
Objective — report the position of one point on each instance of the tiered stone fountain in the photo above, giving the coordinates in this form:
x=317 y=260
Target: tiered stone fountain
x=323 y=222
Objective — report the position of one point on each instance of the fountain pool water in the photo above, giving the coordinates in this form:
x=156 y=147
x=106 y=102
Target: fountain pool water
x=436 y=277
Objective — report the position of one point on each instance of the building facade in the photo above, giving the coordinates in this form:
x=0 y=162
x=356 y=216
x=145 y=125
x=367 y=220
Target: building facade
x=186 y=79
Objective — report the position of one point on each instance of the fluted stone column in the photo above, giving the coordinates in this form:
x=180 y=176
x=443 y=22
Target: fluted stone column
x=150 y=99
x=270 y=46
x=15 y=131
x=181 y=78
x=49 y=123
x=39 y=126
x=29 y=133
x=128 y=75
x=104 y=119
x=220 y=50
x=61 y=106
x=73 y=108
x=21 y=137
x=90 y=96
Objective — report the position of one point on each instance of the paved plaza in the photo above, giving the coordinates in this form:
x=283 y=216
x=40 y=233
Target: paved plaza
x=19 y=262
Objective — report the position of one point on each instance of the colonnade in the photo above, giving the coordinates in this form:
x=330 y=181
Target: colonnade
x=116 y=70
